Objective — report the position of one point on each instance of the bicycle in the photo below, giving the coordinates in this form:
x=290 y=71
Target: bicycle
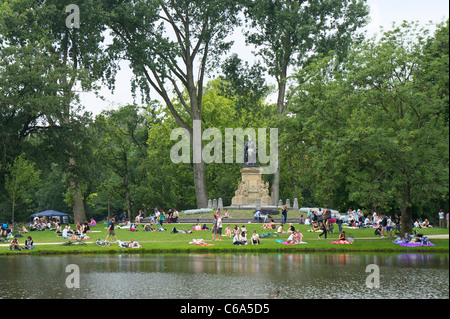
x=78 y=241
x=5 y=239
x=104 y=243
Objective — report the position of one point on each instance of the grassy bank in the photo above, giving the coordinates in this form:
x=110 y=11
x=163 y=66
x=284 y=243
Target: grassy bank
x=47 y=242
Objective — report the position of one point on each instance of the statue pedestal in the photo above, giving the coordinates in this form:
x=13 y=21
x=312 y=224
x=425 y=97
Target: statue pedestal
x=251 y=188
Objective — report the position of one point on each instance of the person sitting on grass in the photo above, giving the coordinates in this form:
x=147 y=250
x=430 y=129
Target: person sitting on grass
x=244 y=238
x=426 y=224
x=315 y=227
x=93 y=223
x=292 y=239
x=378 y=231
x=255 y=238
x=24 y=230
x=343 y=238
x=291 y=229
x=270 y=225
x=228 y=231
x=226 y=214
x=14 y=245
x=29 y=243
x=299 y=236
x=280 y=229
x=65 y=232
x=237 y=239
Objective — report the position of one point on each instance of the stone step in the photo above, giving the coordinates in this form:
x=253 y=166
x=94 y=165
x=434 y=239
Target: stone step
x=202 y=221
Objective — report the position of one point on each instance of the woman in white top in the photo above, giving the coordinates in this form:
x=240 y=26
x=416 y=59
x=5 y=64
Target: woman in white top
x=65 y=232
x=255 y=238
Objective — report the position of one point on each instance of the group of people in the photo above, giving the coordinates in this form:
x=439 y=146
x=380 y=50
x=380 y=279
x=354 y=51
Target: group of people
x=240 y=237
x=14 y=244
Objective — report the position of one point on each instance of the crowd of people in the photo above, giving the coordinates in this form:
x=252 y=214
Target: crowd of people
x=320 y=221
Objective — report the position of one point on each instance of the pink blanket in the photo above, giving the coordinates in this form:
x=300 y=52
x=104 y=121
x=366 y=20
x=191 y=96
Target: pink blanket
x=342 y=242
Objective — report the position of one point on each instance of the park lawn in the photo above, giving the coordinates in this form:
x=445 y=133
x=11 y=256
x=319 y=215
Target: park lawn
x=47 y=242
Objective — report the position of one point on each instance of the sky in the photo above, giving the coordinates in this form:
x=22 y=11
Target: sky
x=382 y=13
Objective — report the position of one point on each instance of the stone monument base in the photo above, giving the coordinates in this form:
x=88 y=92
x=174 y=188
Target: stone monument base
x=252 y=190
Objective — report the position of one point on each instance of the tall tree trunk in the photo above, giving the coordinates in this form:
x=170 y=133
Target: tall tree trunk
x=200 y=185
x=79 y=213
x=275 y=194
x=128 y=195
x=201 y=192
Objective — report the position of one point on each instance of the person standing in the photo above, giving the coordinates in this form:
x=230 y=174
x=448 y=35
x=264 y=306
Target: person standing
x=111 y=231
x=324 y=231
x=447 y=219
x=441 y=218
x=162 y=215
x=284 y=212
x=214 y=227
x=219 y=228
x=383 y=225
x=320 y=216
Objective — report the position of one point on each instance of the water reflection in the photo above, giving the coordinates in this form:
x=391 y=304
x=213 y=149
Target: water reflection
x=226 y=276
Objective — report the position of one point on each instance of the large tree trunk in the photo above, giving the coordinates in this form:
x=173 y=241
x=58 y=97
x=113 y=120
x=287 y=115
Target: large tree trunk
x=200 y=185
x=79 y=213
x=128 y=195
x=281 y=105
x=275 y=194
x=201 y=192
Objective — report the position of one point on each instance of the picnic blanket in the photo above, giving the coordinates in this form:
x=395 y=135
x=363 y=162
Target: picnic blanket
x=341 y=242
x=413 y=244
x=286 y=243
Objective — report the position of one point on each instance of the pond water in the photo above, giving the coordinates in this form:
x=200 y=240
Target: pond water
x=226 y=276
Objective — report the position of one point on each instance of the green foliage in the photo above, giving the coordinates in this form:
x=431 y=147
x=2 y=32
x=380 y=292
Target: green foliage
x=374 y=127
x=21 y=180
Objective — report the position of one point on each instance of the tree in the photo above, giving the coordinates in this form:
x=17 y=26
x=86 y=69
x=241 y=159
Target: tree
x=122 y=136
x=377 y=125
x=22 y=178
x=289 y=33
x=170 y=45
x=54 y=61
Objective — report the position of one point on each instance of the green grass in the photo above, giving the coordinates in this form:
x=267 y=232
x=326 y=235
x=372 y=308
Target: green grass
x=157 y=242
